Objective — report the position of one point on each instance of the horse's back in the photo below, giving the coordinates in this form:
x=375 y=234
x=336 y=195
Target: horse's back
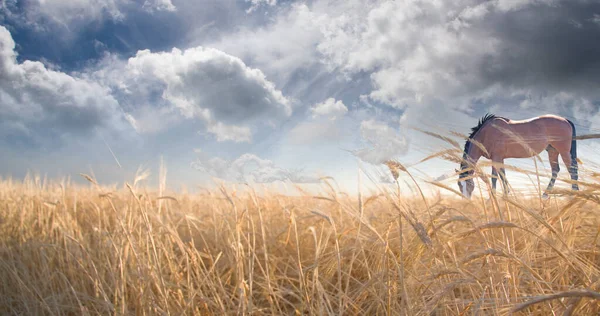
x=533 y=135
x=544 y=119
x=549 y=124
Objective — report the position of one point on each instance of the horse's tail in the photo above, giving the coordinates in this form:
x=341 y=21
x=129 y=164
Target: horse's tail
x=573 y=153
x=573 y=142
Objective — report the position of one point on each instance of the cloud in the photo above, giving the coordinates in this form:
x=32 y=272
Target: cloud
x=284 y=46
x=281 y=47
x=258 y=3
x=312 y=132
x=410 y=49
x=73 y=14
x=41 y=105
x=442 y=63
x=63 y=15
x=385 y=143
x=230 y=133
x=508 y=5
x=249 y=168
x=197 y=83
x=582 y=109
x=457 y=51
x=330 y=108
x=159 y=5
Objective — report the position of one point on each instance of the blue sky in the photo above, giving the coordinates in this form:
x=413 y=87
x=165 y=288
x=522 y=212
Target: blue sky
x=267 y=90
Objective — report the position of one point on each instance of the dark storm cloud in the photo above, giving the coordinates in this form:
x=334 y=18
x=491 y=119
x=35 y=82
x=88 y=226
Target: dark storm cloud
x=553 y=45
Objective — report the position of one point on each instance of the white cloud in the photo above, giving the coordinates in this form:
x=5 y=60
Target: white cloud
x=38 y=103
x=158 y=5
x=385 y=142
x=197 y=83
x=284 y=48
x=150 y=120
x=330 y=108
x=410 y=48
x=312 y=132
x=230 y=133
x=281 y=47
x=583 y=110
x=249 y=168
x=258 y=3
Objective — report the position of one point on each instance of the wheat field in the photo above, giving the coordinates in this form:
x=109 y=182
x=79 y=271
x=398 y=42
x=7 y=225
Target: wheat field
x=69 y=249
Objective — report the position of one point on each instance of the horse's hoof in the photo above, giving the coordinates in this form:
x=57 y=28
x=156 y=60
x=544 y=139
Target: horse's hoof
x=545 y=196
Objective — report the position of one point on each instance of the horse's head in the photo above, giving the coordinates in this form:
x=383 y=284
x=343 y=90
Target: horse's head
x=466 y=185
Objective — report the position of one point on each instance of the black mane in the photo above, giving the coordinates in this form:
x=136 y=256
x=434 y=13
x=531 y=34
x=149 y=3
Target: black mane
x=474 y=130
x=482 y=121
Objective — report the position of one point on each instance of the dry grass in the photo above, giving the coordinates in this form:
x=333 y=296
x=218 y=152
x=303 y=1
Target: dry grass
x=76 y=250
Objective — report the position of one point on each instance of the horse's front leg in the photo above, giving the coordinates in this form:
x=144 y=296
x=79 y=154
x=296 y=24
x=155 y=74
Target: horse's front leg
x=494 y=178
x=504 y=181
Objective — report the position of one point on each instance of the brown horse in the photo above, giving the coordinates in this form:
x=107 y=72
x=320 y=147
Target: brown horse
x=497 y=138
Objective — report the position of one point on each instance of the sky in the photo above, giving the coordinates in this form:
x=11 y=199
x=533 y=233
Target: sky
x=273 y=91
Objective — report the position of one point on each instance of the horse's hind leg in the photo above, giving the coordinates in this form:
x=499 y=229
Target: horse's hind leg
x=572 y=166
x=553 y=156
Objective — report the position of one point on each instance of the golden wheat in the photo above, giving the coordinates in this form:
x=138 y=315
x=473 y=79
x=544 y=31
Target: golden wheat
x=75 y=250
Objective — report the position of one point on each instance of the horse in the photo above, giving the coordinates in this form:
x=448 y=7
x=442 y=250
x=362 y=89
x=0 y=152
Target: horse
x=498 y=138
